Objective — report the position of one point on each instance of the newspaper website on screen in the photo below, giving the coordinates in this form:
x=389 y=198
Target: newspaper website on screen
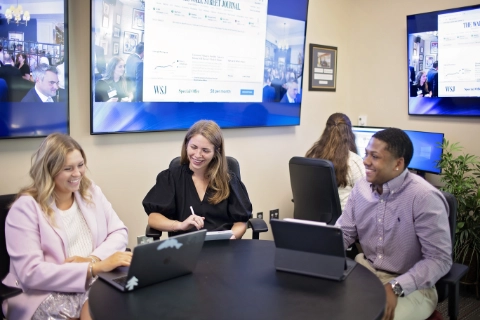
x=164 y=64
x=444 y=62
x=33 y=69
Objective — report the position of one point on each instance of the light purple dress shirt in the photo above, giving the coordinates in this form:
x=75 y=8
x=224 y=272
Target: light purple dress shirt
x=404 y=230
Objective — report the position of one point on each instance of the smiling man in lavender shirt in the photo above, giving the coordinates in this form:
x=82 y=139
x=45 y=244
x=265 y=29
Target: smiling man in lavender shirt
x=401 y=222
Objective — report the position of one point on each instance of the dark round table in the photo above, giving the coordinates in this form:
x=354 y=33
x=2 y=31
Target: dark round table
x=237 y=280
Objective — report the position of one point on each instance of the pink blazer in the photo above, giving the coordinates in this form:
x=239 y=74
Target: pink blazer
x=37 y=250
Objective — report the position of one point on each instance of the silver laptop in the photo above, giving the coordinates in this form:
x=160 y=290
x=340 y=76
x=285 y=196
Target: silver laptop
x=310 y=248
x=158 y=261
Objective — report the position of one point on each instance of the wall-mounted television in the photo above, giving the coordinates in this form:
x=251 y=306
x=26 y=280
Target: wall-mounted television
x=427 y=149
x=33 y=69
x=443 y=49
x=163 y=65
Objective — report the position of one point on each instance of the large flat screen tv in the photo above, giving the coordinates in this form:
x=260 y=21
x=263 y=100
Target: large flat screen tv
x=443 y=49
x=162 y=65
x=33 y=68
x=427 y=149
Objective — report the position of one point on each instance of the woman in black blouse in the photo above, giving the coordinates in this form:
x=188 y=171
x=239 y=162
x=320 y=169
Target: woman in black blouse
x=113 y=87
x=202 y=181
x=422 y=85
x=23 y=65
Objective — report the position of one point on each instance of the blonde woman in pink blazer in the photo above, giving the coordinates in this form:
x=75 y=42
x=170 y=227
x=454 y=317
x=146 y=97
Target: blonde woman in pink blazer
x=61 y=232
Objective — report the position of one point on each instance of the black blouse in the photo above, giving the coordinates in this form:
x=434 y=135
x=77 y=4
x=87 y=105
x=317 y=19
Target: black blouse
x=103 y=87
x=25 y=69
x=174 y=193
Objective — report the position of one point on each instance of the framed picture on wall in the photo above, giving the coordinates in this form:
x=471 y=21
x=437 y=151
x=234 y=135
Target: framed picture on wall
x=106 y=9
x=322 y=68
x=115 y=48
x=119 y=19
x=420 y=57
x=138 y=19
x=434 y=47
x=116 y=32
x=429 y=60
x=105 y=22
x=14 y=35
x=130 y=40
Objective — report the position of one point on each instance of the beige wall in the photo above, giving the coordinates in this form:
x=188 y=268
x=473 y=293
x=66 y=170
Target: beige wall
x=370 y=36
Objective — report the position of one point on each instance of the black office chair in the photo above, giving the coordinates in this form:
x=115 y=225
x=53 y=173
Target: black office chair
x=449 y=284
x=5 y=291
x=315 y=190
x=257 y=225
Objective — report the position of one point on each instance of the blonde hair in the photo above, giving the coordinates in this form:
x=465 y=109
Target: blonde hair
x=47 y=162
x=217 y=170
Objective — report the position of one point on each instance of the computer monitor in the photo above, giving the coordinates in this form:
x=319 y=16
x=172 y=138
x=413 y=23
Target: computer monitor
x=426 y=147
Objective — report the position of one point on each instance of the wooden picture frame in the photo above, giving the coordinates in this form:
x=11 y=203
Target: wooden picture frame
x=116 y=48
x=130 y=41
x=434 y=47
x=116 y=32
x=138 y=19
x=322 y=68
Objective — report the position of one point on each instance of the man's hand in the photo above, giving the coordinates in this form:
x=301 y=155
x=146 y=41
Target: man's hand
x=77 y=259
x=391 y=302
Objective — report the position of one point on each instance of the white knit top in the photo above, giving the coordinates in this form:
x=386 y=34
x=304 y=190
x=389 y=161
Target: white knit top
x=78 y=233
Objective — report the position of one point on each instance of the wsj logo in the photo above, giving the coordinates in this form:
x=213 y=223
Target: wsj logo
x=450 y=88
x=160 y=89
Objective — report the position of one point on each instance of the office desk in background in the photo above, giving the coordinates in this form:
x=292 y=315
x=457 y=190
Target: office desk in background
x=237 y=280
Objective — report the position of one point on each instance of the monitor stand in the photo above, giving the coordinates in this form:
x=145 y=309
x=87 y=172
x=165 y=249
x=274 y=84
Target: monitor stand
x=420 y=173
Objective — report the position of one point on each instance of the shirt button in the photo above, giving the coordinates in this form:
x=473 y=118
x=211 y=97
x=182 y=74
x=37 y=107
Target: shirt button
x=380 y=256
x=381 y=200
x=16 y=283
x=380 y=238
x=379 y=220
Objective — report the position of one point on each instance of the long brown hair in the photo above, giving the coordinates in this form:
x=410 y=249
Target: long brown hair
x=217 y=170
x=335 y=143
x=47 y=162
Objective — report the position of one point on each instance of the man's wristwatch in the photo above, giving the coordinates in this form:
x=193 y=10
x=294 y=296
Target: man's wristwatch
x=397 y=288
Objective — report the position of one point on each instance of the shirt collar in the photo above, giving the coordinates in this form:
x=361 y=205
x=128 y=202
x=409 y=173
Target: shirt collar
x=43 y=97
x=392 y=185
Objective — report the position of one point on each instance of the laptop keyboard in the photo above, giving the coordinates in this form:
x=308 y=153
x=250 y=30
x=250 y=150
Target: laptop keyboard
x=122 y=281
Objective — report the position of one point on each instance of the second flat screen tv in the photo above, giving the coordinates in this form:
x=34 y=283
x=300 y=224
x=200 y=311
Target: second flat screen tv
x=443 y=49
x=162 y=65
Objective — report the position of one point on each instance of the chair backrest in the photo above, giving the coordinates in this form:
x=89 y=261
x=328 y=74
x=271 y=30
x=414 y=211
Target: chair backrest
x=232 y=165
x=452 y=214
x=5 y=201
x=315 y=190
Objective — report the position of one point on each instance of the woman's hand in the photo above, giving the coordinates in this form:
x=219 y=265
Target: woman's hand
x=118 y=259
x=191 y=221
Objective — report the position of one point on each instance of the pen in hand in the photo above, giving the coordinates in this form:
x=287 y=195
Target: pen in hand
x=198 y=221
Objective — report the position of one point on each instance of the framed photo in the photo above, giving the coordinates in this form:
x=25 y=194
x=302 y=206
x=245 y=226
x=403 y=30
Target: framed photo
x=420 y=57
x=420 y=66
x=119 y=19
x=421 y=49
x=105 y=22
x=434 y=47
x=116 y=32
x=429 y=60
x=116 y=47
x=106 y=9
x=323 y=68
x=104 y=45
x=14 y=35
x=138 y=19
x=130 y=40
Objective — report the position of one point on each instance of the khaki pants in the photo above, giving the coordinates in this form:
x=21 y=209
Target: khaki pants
x=419 y=304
